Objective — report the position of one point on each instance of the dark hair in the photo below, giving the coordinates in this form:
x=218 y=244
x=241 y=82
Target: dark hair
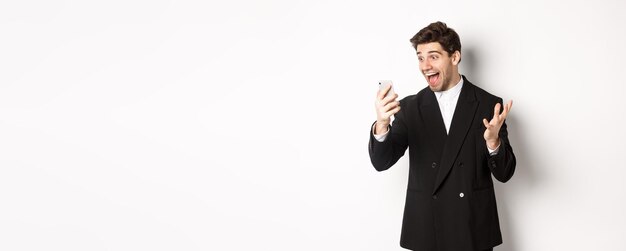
x=438 y=32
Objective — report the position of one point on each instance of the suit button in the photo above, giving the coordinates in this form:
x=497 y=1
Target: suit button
x=461 y=195
x=435 y=196
x=461 y=164
x=434 y=165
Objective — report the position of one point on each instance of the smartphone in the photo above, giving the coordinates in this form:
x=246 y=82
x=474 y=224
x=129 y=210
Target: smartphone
x=384 y=83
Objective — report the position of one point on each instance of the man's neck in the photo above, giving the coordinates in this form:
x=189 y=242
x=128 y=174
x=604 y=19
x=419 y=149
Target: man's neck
x=455 y=81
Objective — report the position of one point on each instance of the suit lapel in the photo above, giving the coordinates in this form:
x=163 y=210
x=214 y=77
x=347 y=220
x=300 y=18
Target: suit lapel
x=432 y=120
x=433 y=123
x=461 y=123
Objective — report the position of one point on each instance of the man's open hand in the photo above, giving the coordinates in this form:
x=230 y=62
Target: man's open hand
x=493 y=126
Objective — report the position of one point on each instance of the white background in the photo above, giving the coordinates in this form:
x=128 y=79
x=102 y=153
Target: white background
x=243 y=125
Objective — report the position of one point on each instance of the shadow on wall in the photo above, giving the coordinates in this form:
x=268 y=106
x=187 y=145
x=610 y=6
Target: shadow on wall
x=524 y=179
x=469 y=65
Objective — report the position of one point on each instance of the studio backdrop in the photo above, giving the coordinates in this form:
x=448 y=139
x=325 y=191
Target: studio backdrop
x=243 y=125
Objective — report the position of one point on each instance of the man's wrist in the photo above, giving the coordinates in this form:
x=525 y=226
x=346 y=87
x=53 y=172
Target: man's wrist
x=381 y=128
x=493 y=144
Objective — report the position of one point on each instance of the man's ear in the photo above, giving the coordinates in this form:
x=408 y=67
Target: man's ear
x=456 y=57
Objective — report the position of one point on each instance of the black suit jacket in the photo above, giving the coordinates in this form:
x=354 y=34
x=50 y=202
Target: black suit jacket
x=450 y=200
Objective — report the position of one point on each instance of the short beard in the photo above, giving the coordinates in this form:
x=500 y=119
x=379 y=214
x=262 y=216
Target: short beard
x=435 y=90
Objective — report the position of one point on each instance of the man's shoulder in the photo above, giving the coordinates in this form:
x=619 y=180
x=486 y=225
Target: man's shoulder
x=481 y=94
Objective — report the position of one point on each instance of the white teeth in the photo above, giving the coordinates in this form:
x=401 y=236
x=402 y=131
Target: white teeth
x=430 y=74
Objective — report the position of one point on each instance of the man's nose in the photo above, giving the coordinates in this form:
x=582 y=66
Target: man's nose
x=425 y=65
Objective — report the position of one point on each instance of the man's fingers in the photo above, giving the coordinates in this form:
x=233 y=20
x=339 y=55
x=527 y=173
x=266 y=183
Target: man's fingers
x=486 y=123
x=496 y=110
x=389 y=98
x=393 y=111
x=383 y=92
x=507 y=108
x=509 y=105
x=390 y=106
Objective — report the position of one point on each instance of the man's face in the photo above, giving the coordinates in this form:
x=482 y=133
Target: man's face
x=439 y=68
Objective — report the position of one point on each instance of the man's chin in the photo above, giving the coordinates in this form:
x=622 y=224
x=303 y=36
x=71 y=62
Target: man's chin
x=436 y=88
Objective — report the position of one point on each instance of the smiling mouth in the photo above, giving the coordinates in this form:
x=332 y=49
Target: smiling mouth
x=432 y=77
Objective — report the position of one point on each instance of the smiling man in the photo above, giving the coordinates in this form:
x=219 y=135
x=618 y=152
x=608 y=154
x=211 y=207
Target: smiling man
x=457 y=140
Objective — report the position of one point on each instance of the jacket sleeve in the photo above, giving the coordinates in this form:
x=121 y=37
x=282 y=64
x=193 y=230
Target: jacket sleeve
x=502 y=165
x=385 y=154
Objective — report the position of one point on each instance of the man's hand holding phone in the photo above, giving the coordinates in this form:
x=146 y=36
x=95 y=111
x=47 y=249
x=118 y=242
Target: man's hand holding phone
x=386 y=105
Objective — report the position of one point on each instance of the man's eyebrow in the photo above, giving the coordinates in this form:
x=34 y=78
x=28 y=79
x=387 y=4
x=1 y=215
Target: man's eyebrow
x=429 y=52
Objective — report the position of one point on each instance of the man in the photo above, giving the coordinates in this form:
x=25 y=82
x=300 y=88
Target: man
x=457 y=139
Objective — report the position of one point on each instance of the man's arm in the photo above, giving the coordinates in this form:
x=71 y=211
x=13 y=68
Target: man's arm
x=501 y=162
x=386 y=153
x=385 y=150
